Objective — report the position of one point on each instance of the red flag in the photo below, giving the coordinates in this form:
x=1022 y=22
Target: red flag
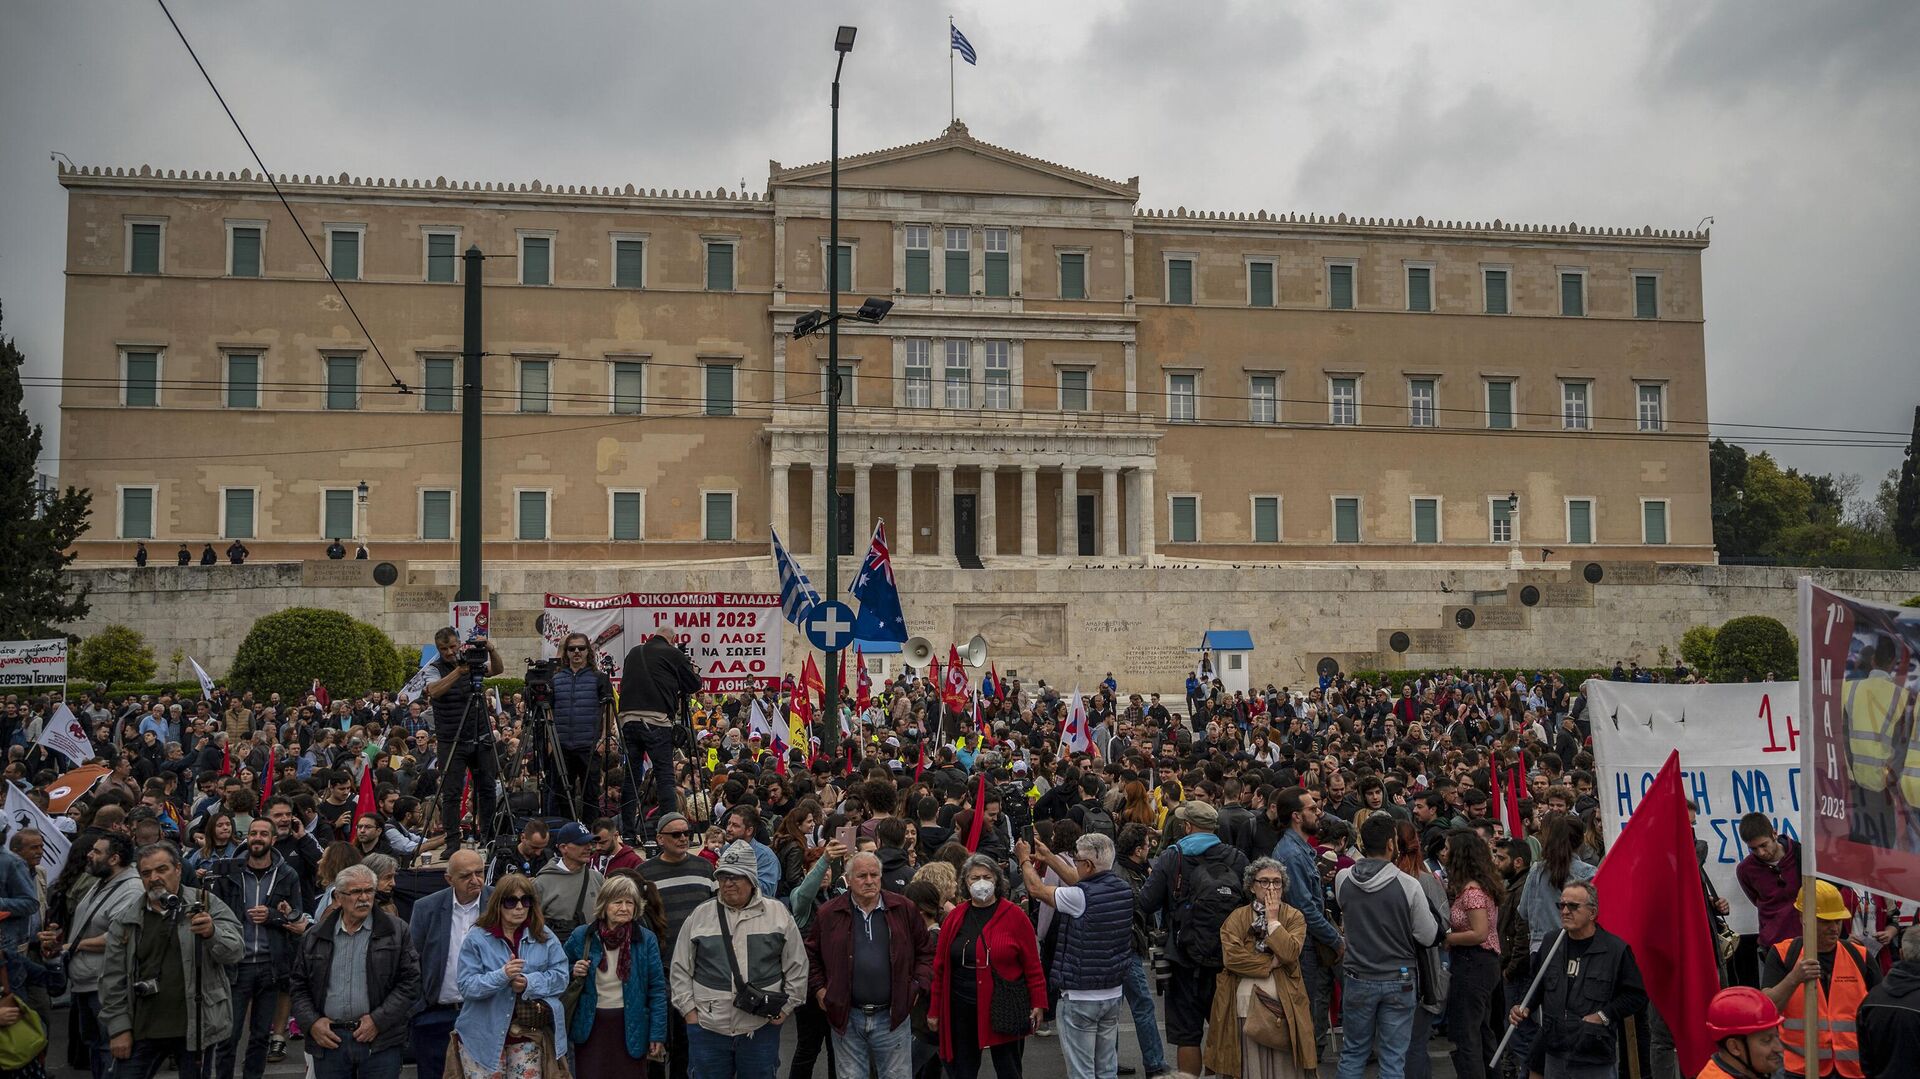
x=920 y=765
x=933 y=674
x=365 y=806
x=266 y=789
x=863 y=688
x=466 y=797
x=320 y=694
x=226 y=760
x=1496 y=808
x=1516 y=782
x=979 y=815
x=957 y=688
x=1675 y=953
x=812 y=685
x=999 y=687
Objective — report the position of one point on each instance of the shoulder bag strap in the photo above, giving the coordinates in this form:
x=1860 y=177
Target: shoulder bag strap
x=726 y=940
x=580 y=904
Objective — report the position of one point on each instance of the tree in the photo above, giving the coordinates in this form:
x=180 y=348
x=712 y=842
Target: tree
x=1727 y=469
x=1906 y=496
x=117 y=655
x=384 y=664
x=1696 y=648
x=1750 y=648
x=37 y=531
x=287 y=651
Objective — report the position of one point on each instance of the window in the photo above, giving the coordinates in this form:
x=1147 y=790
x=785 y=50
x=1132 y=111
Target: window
x=1494 y=283
x=1073 y=391
x=439 y=396
x=1343 y=396
x=336 y=513
x=1653 y=520
x=144 y=246
x=436 y=515
x=1419 y=288
x=629 y=387
x=959 y=393
x=842 y=268
x=140 y=384
x=997 y=379
x=236 y=513
x=919 y=261
x=919 y=373
x=717 y=510
x=1263 y=399
x=343 y=253
x=1500 y=519
x=1182 y=389
x=1573 y=292
x=1340 y=286
x=999 y=281
x=959 y=261
x=1184 y=517
x=1576 y=413
x=530 y=515
x=627 y=515
x=443 y=258
x=1346 y=520
x=536 y=382
x=1426 y=520
x=536 y=259
x=629 y=263
x=1266 y=519
x=1646 y=295
x=1260 y=283
x=1073 y=275
x=846 y=384
x=1500 y=404
x=1421 y=410
x=243 y=380
x=719 y=398
x=719 y=265
x=1179 y=280
x=1579 y=520
x=136 y=513
x=343 y=382
x=243 y=250
x=1651 y=401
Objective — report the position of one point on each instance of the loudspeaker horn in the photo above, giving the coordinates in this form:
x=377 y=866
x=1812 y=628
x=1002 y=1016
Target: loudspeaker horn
x=975 y=652
x=917 y=652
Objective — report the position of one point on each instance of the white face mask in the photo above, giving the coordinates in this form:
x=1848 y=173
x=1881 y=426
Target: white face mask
x=981 y=890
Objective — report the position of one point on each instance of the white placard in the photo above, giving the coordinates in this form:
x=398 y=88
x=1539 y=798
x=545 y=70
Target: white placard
x=64 y=734
x=30 y=663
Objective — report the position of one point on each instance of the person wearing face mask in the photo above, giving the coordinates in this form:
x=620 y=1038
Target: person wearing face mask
x=983 y=942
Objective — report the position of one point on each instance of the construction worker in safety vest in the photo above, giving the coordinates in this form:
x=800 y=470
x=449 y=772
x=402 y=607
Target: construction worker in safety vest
x=1842 y=977
x=1745 y=1027
x=1878 y=707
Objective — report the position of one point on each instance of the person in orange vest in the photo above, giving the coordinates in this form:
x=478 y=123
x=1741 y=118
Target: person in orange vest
x=1844 y=977
x=1745 y=1027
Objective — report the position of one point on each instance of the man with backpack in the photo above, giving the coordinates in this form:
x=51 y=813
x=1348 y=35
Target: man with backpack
x=1388 y=920
x=1091 y=813
x=1194 y=884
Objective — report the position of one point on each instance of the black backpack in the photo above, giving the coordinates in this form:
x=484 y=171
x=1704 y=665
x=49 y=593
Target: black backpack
x=1096 y=819
x=1207 y=890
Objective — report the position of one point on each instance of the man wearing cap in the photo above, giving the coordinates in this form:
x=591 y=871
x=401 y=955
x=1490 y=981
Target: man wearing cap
x=1181 y=888
x=741 y=938
x=685 y=882
x=1844 y=975
x=569 y=887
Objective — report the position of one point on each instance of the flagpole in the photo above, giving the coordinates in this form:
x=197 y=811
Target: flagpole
x=952 y=111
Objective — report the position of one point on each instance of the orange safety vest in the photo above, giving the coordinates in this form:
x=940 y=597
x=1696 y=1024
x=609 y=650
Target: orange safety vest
x=1713 y=1070
x=1839 y=1045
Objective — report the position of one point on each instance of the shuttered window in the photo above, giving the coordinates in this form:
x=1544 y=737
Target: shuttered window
x=243 y=380
x=1266 y=520
x=1419 y=288
x=1073 y=391
x=719 y=400
x=1179 y=280
x=343 y=254
x=1495 y=282
x=343 y=382
x=1646 y=296
x=719 y=267
x=629 y=381
x=531 y=523
x=436 y=515
x=1073 y=275
x=238 y=515
x=136 y=513
x=536 y=377
x=1340 y=287
x=144 y=256
x=1653 y=518
x=959 y=262
x=997 y=282
x=440 y=257
x=1426 y=520
x=629 y=263
x=1346 y=520
x=143 y=379
x=843 y=270
x=1500 y=406
x=536 y=260
x=626 y=515
x=246 y=252
x=1573 y=294
x=1260 y=284
x=1580 y=520
x=719 y=514
x=919 y=261
x=439 y=388
x=1186 y=519
x=336 y=516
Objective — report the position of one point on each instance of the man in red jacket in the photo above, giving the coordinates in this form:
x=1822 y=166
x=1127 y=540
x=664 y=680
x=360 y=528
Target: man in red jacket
x=868 y=960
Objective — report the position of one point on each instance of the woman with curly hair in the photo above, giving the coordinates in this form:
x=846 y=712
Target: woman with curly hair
x=1473 y=948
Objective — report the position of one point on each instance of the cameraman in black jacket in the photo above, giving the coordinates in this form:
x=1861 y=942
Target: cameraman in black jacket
x=655 y=682
x=464 y=735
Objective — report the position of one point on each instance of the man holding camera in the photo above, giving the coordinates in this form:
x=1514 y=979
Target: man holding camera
x=264 y=893
x=164 y=990
x=656 y=680
x=579 y=692
x=463 y=729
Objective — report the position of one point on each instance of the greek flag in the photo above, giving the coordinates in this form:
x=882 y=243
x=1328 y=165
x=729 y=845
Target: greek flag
x=797 y=597
x=964 y=47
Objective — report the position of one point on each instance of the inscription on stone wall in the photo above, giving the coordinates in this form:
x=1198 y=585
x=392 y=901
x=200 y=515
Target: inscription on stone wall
x=1567 y=594
x=1500 y=617
x=342 y=573
x=1014 y=629
x=1630 y=573
x=1167 y=666
x=420 y=598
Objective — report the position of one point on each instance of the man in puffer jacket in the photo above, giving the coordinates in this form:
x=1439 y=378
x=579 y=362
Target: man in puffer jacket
x=768 y=952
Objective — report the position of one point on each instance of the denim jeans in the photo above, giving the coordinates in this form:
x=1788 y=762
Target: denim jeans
x=150 y=1055
x=1377 y=1013
x=100 y=1060
x=724 y=1056
x=871 y=1036
x=1146 y=1024
x=1520 y=1046
x=1090 y=1036
x=356 y=1061
x=1319 y=983
x=432 y=1031
x=256 y=989
x=654 y=743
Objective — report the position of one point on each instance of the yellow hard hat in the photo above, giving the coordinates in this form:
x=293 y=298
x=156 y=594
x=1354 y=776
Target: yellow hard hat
x=1827 y=906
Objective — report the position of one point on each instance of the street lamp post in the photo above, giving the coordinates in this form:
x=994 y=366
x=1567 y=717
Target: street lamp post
x=1515 y=559
x=360 y=513
x=830 y=695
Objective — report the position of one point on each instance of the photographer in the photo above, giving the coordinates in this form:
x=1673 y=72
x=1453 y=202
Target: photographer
x=579 y=691
x=464 y=735
x=655 y=683
x=264 y=893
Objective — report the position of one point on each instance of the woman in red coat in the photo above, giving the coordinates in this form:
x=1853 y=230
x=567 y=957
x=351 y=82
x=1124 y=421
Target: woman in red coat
x=983 y=937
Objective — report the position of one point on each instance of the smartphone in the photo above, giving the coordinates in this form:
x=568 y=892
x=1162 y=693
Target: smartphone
x=848 y=836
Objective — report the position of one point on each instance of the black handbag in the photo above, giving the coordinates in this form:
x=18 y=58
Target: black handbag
x=1009 y=1005
x=765 y=1003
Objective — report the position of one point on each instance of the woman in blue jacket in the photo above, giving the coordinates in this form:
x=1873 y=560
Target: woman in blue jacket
x=622 y=1014
x=512 y=972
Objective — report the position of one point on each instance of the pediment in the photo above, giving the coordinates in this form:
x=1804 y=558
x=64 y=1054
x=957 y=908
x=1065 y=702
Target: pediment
x=956 y=162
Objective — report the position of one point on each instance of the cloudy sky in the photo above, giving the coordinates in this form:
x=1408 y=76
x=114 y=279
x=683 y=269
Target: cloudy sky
x=1791 y=124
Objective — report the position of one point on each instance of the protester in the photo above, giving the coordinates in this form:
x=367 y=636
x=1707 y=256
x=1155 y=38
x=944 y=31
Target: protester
x=621 y=1016
x=1844 y=977
x=1387 y=917
x=264 y=894
x=1194 y=886
x=512 y=972
x=355 y=981
x=1262 y=1021
x=869 y=960
x=110 y=863
x=724 y=1040
x=569 y=886
x=684 y=882
x=1591 y=986
x=438 y=929
x=1769 y=876
x=1473 y=949
x=1889 y=1018
x=1091 y=951
x=987 y=947
x=1745 y=1027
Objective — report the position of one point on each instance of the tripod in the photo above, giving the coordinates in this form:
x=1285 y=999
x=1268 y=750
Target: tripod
x=540 y=722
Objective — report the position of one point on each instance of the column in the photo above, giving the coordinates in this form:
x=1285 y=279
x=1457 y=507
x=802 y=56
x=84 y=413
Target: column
x=819 y=548
x=943 y=511
x=989 y=530
x=1109 y=511
x=1029 y=510
x=777 y=501
x=862 y=524
x=1148 y=509
x=1069 y=543
x=1131 y=478
x=902 y=533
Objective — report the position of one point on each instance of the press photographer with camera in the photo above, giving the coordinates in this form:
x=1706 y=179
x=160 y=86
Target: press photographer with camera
x=165 y=989
x=655 y=683
x=463 y=729
x=579 y=692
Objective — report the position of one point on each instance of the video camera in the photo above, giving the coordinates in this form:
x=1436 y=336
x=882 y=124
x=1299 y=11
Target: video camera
x=539 y=682
x=473 y=653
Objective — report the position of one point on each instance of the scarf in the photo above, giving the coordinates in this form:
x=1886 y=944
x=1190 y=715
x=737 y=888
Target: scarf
x=616 y=938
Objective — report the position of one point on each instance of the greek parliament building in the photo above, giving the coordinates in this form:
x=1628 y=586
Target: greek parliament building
x=1064 y=375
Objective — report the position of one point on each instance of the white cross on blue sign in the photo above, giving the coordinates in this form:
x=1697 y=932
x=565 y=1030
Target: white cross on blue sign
x=831 y=627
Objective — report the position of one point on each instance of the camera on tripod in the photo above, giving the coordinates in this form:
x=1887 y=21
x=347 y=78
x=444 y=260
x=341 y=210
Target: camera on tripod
x=538 y=686
x=473 y=653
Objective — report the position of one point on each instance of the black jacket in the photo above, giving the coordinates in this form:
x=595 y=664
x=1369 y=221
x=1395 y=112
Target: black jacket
x=1608 y=981
x=656 y=677
x=894 y=870
x=280 y=883
x=393 y=978
x=1890 y=1022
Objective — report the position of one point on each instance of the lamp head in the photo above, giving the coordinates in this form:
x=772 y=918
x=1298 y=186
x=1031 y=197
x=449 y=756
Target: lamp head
x=362 y=490
x=843 y=39
x=809 y=323
x=874 y=309
x=1513 y=501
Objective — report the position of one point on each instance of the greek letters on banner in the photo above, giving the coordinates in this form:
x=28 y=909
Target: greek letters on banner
x=734 y=638
x=23 y=813
x=1739 y=753
x=1859 y=680
x=28 y=663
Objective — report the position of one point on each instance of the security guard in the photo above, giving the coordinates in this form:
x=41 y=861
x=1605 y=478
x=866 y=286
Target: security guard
x=1844 y=977
x=1745 y=1027
x=1878 y=707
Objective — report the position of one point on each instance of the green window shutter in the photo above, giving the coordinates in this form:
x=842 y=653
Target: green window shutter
x=440 y=257
x=145 y=257
x=536 y=381
x=998 y=283
x=1340 y=288
x=1419 y=289
x=1646 y=297
x=719 y=525
x=343 y=382
x=843 y=268
x=628 y=381
x=1580 y=521
x=136 y=513
x=959 y=266
x=1179 y=281
x=1073 y=391
x=1655 y=515
x=629 y=263
x=719 y=267
x=1186 y=525
x=246 y=253
x=1496 y=284
x=919 y=272
x=143 y=379
x=719 y=389
x=533 y=516
x=1260 y=284
x=439 y=385
x=1266 y=520
x=1500 y=406
x=536 y=261
x=436 y=515
x=1073 y=276
x=1426 y=520
x=343 y=255
x=1572 y=294
x=626 y=515
x=243 y=381
x=337 y=520
x=1346 y=520
x=239 y=522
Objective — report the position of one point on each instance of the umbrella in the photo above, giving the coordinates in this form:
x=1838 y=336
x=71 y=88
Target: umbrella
x=68 y=788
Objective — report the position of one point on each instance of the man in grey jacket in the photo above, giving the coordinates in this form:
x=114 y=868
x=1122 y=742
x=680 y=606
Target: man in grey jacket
x=1387 y=920
x=110 y=862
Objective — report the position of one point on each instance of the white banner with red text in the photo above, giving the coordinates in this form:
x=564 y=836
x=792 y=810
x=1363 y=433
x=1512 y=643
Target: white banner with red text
x=734 y=638
x=32 y=663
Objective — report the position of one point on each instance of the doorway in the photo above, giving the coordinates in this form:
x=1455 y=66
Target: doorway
x=846 y=522
x=1084 y=514
x=966 y=508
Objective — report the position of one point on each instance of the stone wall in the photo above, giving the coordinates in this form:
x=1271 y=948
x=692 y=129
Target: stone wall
x=1066 y=624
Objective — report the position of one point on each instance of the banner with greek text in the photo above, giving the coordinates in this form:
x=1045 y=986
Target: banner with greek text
x=32 y=663
x=734 y=638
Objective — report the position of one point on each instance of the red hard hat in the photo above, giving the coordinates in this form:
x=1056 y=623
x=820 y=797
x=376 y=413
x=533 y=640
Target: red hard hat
x=1740 y=1010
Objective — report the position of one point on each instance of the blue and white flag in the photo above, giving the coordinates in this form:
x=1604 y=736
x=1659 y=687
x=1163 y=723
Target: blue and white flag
x=797 y=597
x=880 y=618
x=964 y=47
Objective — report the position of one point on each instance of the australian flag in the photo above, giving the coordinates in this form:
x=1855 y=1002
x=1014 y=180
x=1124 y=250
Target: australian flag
x=880 y=618
x=797 y=597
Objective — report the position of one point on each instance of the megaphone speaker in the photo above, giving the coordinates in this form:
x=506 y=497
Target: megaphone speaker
x=976 y=652
x=917 y=652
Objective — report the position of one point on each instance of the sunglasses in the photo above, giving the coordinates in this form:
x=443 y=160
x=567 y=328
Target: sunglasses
x=676 y=833
x=1570 y=906
x=576 y=648
x=516 y=901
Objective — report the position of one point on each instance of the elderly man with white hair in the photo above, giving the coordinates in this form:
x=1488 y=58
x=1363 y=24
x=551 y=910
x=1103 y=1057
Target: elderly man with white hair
x=869 y=960
x=355 y=982
x=1091 y=952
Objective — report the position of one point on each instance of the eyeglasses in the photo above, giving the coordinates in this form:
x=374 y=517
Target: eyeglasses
x=677 y=833
x=1570 y=906
x=577 y=648
x=516 y=901
x=1267 y=882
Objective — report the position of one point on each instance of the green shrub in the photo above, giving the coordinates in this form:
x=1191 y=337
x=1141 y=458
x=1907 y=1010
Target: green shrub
x=114 y=655
x=1910 y=601
x=1696 y=647
x=1747 y=649
x=284 y=652
x=1572 y=676
x=384 y=664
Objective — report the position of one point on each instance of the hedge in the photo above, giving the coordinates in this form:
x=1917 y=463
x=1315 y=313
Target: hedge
x=1747 y=649
x=287 y=651
x=388 y=670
